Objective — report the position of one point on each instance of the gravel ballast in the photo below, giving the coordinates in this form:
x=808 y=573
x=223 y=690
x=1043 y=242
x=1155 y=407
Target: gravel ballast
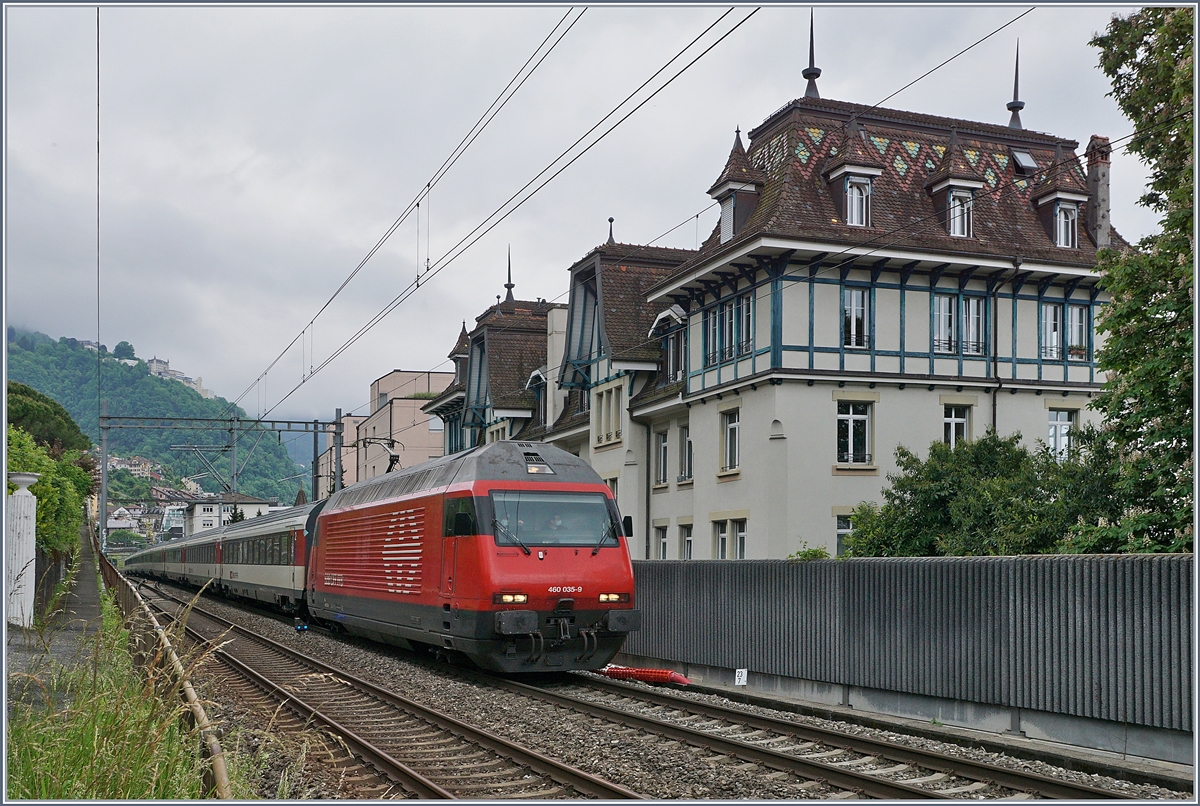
x=651 y=765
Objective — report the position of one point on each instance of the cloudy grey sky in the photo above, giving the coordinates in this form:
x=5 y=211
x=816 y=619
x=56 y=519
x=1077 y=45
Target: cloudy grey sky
x=251 y=157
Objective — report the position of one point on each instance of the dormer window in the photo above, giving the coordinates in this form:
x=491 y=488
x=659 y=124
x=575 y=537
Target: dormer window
x=1066 y=228
x=961 y=205
x=858 y=201
x=727 y=219
x=1024 y=163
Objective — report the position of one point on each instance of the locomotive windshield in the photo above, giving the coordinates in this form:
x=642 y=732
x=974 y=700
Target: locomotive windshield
x=553 y=519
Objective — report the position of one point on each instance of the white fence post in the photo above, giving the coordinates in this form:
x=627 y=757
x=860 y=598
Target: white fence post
x=19 y=550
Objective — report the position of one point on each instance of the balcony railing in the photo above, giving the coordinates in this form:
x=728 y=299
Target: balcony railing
x=711 y=358
x=853 y=458
x=1053 y=352
x=971 y=347
x=945 y=345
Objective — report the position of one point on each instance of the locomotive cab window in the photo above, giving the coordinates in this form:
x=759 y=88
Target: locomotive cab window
x=554 y=519
x=458 y=511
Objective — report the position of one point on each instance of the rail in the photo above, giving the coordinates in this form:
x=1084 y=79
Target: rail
x=132 y=605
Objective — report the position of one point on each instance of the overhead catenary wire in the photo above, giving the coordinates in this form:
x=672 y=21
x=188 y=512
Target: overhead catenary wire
x=1000 y=191
x=501 y=214
x=488 y=115
x=449 y=258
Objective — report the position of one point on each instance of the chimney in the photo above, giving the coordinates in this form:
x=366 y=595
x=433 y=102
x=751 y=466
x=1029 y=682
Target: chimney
x=1098 y=154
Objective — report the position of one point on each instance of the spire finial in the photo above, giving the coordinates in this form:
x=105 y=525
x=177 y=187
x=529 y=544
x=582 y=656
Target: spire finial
x=812 y=72
x=610 y=234
x=509 y=284
x=1016 y=105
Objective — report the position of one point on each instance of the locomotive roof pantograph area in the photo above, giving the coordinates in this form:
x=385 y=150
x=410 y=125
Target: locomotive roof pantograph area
x=506 y=460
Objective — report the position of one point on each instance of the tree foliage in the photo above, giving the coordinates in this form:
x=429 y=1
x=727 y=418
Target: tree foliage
x=44 y=419
x=123 y=350
x=124 y=486
x=60 y=491
x=992 y=497
x=1147 y=400
x=66 y=372
x=124 y=537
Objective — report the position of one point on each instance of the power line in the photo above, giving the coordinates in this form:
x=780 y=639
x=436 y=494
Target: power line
x=929 y=72
x=451 y=255
x=488 y=115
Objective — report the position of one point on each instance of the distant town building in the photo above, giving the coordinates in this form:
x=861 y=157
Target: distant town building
x=214 y=511
x=161 y=368
x=396 y=427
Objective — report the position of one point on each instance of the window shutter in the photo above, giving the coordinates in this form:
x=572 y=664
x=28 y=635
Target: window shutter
x=727 y=219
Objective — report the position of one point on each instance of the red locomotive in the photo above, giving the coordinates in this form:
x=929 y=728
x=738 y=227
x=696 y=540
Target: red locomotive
x=512 y=554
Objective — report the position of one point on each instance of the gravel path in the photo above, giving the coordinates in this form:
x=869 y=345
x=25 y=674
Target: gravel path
x=654 y=766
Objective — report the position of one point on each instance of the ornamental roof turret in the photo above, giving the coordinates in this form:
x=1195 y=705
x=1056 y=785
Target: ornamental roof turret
x=1061 y=176
x=462 y=345
x=738 y=169
x=852 y=150
x=954 y=165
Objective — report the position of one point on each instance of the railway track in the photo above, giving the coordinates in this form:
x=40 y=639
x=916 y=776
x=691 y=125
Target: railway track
x=798 y=755
x=428 y=753
x=871 y=767
x=352 y=777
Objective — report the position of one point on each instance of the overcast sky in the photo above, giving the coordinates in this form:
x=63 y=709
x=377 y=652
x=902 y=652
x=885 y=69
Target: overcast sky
x=251 y=157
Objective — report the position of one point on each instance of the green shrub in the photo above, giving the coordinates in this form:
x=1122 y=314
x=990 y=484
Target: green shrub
x=60 y=492
x=807 y=553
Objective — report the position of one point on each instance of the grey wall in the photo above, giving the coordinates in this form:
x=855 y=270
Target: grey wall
x=1107 y=637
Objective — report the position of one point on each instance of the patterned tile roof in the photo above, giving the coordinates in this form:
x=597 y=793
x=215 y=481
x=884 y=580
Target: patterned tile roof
x=852 y=148
x=1050 y=181
x=800 y=141
x=954 y=165
x=738 y=167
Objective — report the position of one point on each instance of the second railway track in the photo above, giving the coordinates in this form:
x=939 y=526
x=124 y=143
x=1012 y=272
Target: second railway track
x=430 y=754
x=875 y=767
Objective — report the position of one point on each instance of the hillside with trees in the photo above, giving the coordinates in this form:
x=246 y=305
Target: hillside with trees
x=65 y=371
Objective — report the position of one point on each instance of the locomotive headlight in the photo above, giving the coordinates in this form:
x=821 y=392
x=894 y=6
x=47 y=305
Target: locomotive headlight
x=614 y=597
x=510 y=598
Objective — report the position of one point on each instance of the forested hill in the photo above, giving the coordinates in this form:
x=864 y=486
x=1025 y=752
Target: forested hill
x=66 y=372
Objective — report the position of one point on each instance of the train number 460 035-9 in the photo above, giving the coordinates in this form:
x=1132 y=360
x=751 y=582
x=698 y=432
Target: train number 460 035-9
x=565 y=589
